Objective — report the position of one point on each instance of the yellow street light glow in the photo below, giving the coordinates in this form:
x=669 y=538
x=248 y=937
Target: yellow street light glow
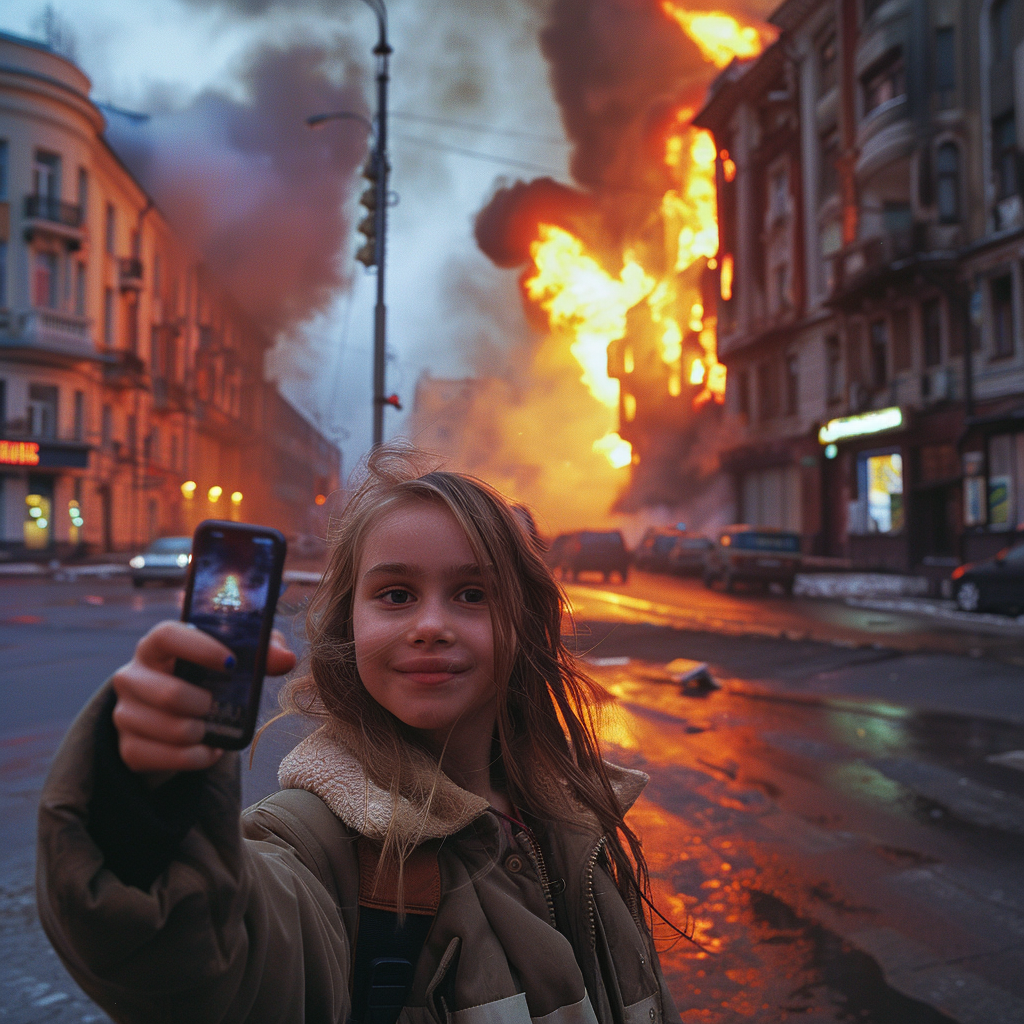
x=865 y=423
x=188 y=488
x=215 y=492
x=236 y=497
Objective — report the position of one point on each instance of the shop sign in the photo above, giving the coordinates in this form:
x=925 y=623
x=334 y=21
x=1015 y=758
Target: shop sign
x=857 y=426
x=19 y=453
x=974 y=501
x=999 y=495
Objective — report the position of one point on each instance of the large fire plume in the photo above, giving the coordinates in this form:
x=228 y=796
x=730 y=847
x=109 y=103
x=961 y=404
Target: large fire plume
x=619 y=275
x=587 y=301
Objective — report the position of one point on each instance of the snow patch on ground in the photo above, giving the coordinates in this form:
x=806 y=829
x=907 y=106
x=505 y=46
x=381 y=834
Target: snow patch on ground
x=858 y=584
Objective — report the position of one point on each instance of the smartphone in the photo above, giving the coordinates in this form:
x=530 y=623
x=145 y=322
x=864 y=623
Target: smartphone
x=233 y=583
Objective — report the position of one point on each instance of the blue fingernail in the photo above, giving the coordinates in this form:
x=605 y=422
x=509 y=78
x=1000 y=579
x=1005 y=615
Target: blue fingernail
x=229 y=662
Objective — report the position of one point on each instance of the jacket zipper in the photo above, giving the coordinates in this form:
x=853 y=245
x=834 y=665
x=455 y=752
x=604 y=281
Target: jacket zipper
x=542 y=874
x=588 y=890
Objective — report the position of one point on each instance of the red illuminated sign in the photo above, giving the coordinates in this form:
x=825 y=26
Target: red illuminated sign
x=19 y=453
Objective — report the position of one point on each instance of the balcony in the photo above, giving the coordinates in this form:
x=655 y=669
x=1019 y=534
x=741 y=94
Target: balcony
x=870 y=264
x=129 y=273
x=44 y=335
x=123 y=369
x=170 y=396
x=49 y=216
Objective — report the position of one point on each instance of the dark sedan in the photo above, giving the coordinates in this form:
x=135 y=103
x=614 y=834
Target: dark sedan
x=602 y=552
x=995 y=585
x=165 y=560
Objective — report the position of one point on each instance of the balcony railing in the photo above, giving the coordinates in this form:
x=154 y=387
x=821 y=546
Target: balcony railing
x=864 y=259
x=47 y=208
x=123 y=369
x=46 y=330
x=129 y=273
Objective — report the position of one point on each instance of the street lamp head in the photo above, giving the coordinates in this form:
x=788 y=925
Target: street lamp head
x=315 y=120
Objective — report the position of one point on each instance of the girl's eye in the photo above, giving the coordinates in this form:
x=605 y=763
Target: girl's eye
x=473 y=595
x=396 y=596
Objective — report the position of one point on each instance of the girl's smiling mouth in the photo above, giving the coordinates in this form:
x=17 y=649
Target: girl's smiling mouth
x=430 y=671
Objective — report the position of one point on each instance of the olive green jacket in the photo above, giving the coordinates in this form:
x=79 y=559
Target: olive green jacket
x=254 y=918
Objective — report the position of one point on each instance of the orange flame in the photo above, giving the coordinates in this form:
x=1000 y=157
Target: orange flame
x=719 y=36
x=580 y=296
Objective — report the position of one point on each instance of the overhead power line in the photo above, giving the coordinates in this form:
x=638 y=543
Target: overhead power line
x=469 y=126
x=473 y=154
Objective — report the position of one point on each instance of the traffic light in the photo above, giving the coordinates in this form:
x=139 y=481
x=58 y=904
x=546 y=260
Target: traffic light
x=367 y=254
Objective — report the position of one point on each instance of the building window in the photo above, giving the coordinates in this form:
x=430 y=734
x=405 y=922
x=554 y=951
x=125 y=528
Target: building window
x=829 y=164
x=828 y=62
x=743 y=393
x=46 y=175
x=110 y=230
x=3 y=410
x=80 y=284
x=897 y=217
x=83 y=192
x=945 y=66
x=879 y=354
x=3 y=274
x=884 y=82
x=1004 y=155
x=879 y=505
x=131 y=323
x=131 y=433
x=42 y=410
x=999 y=29
x=778 y=194
x=833 y=369
x=44 y=280
x=931 y=331
x=3 y=169
x=767 y=392
x=109 y=327
x=947 y=182
x=1002 y=316
x=174 y=452
x=781 y=286
x=107 y=426
x=792 y=384
x=1006 y=481
x=79 y=416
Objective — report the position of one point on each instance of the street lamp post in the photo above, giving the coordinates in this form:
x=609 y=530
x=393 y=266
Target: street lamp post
x=380 y=155
x=379 y=164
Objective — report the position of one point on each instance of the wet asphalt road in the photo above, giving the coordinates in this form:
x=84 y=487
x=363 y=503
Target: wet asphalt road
x=828 y=825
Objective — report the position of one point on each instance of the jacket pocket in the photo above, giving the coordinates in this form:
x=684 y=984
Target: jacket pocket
x=645 y=1011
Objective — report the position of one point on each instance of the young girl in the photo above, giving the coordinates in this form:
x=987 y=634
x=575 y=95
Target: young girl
x=452 y=809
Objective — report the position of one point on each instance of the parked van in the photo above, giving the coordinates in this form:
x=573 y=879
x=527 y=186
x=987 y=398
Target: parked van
x=753 y=554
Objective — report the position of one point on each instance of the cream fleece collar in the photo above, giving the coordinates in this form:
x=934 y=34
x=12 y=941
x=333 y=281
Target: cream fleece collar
x=324 y=764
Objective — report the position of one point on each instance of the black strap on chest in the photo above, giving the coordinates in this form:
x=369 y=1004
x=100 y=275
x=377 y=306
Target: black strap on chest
x=387 y=949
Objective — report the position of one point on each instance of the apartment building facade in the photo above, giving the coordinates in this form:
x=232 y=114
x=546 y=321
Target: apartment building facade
x=871 y=293
x=132 y=395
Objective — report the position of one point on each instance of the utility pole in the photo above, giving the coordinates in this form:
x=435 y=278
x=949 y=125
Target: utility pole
x=382 y=52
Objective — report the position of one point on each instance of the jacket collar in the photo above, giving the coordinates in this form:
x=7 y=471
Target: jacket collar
x=324 y=764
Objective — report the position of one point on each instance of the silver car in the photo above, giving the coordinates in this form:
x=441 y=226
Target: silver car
x=166 y=559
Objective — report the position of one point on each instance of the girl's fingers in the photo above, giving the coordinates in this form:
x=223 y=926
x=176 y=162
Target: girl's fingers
x=168 y=641
x=141 y=754
x=280 y=658
x=136 y=683
x=146 y=722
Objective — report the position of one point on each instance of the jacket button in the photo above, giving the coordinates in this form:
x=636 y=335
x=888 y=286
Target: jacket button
x=651 y=1013
x=514 y=863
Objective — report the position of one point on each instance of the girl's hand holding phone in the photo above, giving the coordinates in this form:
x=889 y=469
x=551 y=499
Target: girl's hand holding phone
x=159 y=717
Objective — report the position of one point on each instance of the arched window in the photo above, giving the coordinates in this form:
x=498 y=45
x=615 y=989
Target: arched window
x=947 y=184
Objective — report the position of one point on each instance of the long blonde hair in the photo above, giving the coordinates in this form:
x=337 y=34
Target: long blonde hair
x=546 y=733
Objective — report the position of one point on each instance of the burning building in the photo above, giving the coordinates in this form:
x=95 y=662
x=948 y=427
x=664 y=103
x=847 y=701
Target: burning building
x=617 y=273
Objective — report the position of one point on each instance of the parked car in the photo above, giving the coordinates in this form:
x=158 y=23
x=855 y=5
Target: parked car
x=996 y=584
x=166 y=560
x=652 y=553
x=748 y=554
x=689 y=555
x=590 y=551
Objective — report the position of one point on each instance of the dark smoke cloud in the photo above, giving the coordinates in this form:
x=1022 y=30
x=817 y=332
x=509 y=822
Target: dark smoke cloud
x=611 y=61
x=258 y=194
x=507 y=225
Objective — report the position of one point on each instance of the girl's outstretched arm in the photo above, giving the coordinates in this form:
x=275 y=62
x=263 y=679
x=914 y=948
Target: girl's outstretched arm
x=216 y=929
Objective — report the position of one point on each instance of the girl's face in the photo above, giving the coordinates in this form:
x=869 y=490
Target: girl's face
x=422 y=625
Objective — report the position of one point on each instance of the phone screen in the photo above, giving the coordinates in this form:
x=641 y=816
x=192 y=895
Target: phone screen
x=232 y=594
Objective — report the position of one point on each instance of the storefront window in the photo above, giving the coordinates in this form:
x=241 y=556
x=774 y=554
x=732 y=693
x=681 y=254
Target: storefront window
x=879 y=505
x=1006 y=481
